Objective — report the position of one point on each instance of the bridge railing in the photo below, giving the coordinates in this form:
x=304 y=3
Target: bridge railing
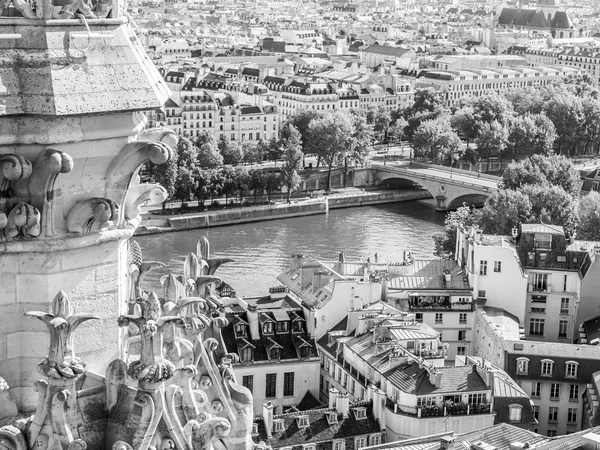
x=413 y=174
x=468 y=173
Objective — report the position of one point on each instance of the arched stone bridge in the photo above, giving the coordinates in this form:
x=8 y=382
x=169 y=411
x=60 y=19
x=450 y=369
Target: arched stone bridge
x=450 y=188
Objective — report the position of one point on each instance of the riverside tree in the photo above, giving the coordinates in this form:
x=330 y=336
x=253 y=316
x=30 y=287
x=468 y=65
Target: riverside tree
x=436 y=140
x=209 y=156
x=332 y=136
x=291 y=148
x=589 y=217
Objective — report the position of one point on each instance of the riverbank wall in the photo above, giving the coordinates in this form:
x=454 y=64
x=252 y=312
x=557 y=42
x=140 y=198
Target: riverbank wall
x=159 y=224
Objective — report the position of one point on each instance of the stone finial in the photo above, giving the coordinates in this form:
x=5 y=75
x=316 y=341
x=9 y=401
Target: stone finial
x=61 y=362
x=152 y=367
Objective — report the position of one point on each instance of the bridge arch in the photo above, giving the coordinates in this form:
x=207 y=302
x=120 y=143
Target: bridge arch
x=478 y=200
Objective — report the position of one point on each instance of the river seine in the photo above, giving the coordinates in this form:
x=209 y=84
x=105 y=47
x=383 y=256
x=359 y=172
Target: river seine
x=261 y=250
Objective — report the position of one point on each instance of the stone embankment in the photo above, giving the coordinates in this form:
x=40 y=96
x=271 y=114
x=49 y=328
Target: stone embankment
x=209 y=219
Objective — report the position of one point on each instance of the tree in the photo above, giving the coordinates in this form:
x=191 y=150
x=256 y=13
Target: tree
x=165 y=175
x=492 y=108
x=465 y=124
x=185 y=186
x=301 y=120
x=361 y=143
x=209 y=156
x=256 y=182
x=217 y=182
x=428 y=105
x=187 y=153
x=589 y=217
x=591 y=121
x=203 y=177
x=292 y=158
x=272 y=183
x=529 y=135
x=229 y=183
x=274 y=150
x=492 y=141
x=331 y=135
x=241 y=179
x=253 y=152
x=551 y=170
x=379 y=119
x=445 y=243
x=581 y=85
x=526 y=100
x=504 y=210
x=396 y=131
x=436 y=140
x=551 y=205
x=565 y=110
x=232 y=152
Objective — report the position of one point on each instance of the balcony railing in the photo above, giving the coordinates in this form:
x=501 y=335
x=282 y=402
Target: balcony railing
x=457 y=409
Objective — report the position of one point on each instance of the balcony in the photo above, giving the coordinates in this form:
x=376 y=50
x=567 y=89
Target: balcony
x=538 y=310
x=429 y=303
x=433 y=354
x=457 y=409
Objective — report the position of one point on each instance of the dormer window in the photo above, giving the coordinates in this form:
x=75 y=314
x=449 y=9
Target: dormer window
x=277 y=425
x=268 y=328
x=332 y=418
x=247 y=354
x=514 y=413
x=360 y=413
x=303 y=422
x=283 y=327
x=240 y=330
x=275 y=353
x=298 y=326
x=254 y=428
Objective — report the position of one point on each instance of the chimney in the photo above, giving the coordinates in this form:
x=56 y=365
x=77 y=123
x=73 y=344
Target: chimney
x=333 y=393
x=268 y=418
x=447 y=442
x=252 y=314
x=320 y=279
x=295 y=262
x=342 y=404
x=435 y=377
x=447 y=277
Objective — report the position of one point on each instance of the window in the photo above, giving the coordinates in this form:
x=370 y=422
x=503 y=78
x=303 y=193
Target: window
x=271 y=386
x=514 y=413
x=476 y=399
x=288 y=383
x=481 y=294
x=571 y=369
x=461 y=351
x=277 y=425
x=547 y=366
x=553 y=414
x=551 y=433
x=439 y=318
x=574 y=392
x=360 y=442
x=564 y=305
x=497 y=266
x=536 y=389
x=482 y=267
x=462 y=335
x=338 y=445
x=572 y=415
x=248 y=382
x=282 y=327
x=268 y=328
x=554 y=391
x=247 y=354
x=536 y=327
x=522 y=366
x=565 y=278
x=303 y=422
x=332 y=418
x=563 y=325
x=540 y=281
x=462 y=318
x=543 y=241
x=360 y=413
x=419 y=317
x=536 y=412
x=375 y=439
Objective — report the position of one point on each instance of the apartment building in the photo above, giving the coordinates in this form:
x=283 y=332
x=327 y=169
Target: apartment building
x=277 y=358
x=585 y=59
x=401 y=361
x=438 y=293
x=455 y=85
x=494 y=271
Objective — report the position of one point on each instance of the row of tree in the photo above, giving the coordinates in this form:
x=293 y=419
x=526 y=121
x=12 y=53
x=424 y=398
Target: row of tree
x=563 y=117
x=539 y=189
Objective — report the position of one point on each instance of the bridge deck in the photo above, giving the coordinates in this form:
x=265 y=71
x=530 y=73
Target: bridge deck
x=485 y=183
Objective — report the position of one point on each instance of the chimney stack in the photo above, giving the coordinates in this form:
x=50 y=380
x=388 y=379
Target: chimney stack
x=447 y=442
x=342 y=404
x=333 y=393
x=320 y=279
x=268 y=418
x=252 y=314
x=296 y=262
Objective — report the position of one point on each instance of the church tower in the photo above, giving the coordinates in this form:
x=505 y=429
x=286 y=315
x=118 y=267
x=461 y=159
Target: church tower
x=74 y=82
